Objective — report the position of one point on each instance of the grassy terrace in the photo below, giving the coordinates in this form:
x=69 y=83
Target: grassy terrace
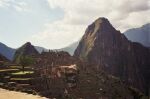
x=20 y=78
x=23 y=73
x=15 y=66
x=18 y=67
x=7 y=70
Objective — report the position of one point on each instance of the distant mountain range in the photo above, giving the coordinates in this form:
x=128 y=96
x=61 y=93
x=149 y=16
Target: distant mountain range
x=141 y=35
x=7 y=51
x=71 y=48
x=41 y=49
x=3 y=58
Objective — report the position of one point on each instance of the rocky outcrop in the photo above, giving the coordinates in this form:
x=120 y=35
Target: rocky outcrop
x=107 y=49
x=26 y=50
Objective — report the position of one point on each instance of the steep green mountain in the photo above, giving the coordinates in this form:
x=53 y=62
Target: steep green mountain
x=26 y=50
x=140 y=35
x=7 y=51
x=107 y=49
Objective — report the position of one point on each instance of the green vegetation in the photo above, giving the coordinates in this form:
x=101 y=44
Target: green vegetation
x=23 y=73
x=26 y=61
x=14 y=78
x=20 y=67
x=20 y=78
x=7 y=70
x=14 y=66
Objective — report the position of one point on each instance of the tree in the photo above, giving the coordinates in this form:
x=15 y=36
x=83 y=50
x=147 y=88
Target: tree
x=26 y=61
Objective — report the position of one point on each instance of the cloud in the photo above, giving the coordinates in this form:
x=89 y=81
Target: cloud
x=21 y=6
x=17 y=5
x=58 y=35
x=85 y=11
x=135 y=19
x=78 y=14
x=4 y=3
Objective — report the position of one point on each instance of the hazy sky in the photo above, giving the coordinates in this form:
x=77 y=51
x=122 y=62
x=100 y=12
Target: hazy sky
x=58 y=23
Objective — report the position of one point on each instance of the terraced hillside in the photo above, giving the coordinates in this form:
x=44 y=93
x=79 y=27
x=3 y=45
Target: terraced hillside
x=13 y=78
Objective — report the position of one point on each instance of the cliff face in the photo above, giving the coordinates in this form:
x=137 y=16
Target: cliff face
x=109 y=50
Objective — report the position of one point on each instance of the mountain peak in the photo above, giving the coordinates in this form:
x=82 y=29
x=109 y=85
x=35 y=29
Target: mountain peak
x=28 y=43
x=102 y=20
x=101 y=26
x=106 y=49
x=26 y=50
x=6 y=51
x=101 y=29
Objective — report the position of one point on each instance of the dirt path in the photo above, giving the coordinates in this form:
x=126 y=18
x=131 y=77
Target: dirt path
x=5 y=94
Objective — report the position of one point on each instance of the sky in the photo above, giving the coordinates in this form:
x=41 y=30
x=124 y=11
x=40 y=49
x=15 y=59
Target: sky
x=57 y=23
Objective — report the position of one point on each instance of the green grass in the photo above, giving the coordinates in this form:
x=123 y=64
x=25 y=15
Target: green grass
x=23 y=73
x=20 y=78
x=6 y=70
x=15 y=66
x=20 y=67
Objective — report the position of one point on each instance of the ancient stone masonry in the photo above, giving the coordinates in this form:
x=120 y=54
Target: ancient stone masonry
x=56 y=73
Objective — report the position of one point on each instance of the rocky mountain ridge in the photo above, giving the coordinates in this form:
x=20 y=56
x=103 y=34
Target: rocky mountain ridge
x=109 y=50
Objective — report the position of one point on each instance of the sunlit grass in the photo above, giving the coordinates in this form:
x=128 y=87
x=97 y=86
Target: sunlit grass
x=6 y=70
x=23 y=73
x=20 y=67
x=20 y=78
x=15 y=66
